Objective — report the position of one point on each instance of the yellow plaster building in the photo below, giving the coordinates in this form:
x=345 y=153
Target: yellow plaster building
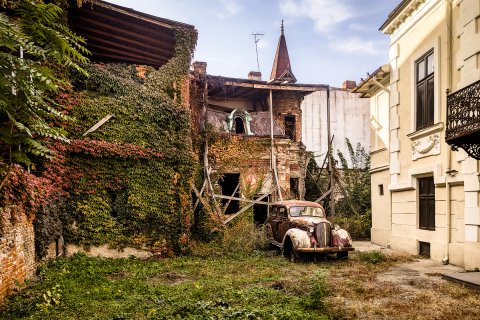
x=425 y=125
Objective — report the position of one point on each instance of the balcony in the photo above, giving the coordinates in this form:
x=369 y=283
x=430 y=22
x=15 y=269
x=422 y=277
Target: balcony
x=463 y=120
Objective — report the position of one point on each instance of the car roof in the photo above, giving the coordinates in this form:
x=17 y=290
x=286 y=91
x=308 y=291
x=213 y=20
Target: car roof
x=297 y=203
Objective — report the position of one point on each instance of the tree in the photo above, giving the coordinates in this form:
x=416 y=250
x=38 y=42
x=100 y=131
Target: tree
x=356 y=178
x=35 y=46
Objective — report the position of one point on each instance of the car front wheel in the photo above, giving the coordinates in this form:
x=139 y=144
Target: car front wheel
x=342 y=255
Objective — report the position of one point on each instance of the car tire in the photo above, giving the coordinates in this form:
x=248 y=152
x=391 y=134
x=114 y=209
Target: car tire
x=293 y=255
x=342 y=255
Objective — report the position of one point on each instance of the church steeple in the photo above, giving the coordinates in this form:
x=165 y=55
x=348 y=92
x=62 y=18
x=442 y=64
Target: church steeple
x=282 y=70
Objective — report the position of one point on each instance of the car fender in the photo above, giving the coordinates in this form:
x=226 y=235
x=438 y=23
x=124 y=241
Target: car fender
x=299 y=238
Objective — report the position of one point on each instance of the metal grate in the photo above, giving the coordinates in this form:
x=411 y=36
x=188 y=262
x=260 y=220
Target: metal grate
x=323 y=234
x=463 y=119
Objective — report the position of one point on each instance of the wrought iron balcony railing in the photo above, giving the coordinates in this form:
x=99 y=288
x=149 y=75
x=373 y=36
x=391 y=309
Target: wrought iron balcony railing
x=463 y=120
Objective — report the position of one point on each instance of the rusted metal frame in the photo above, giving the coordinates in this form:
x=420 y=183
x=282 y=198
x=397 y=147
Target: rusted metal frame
x=98 y=124
x=242 y=199
x=233 y=216
x=273 y=159
x=229 y=200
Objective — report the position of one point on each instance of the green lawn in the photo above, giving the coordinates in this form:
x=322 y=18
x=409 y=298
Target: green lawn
x=261 y=286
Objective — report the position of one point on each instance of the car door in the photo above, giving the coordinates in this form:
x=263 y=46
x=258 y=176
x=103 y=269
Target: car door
x=282 y=223
x=270 y=224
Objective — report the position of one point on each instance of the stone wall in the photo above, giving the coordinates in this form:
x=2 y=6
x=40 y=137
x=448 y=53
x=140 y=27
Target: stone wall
x=17 y=249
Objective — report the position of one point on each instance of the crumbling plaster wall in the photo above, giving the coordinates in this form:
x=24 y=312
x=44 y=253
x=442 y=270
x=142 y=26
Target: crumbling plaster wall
x=350 y=118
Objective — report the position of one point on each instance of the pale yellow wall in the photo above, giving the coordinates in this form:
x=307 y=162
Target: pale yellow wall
x=379 y=129
x=381 y=220
x=415 y=154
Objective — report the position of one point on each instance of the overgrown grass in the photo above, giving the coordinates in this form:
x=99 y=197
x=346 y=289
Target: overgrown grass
x=255 y=287
x=259 y=285
x=372 y=257
x=241 y=238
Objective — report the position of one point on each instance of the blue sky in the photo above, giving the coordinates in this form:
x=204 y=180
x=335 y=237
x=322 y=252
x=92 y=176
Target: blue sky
x=329 y=41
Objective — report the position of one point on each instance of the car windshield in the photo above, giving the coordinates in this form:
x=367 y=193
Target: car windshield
x=306 y=211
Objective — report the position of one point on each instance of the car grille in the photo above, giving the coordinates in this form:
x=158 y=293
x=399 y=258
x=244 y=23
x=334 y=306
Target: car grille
x=323 y=234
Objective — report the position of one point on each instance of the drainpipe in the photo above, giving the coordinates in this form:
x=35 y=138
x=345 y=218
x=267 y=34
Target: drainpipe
x=448 y=161
x=272 y=148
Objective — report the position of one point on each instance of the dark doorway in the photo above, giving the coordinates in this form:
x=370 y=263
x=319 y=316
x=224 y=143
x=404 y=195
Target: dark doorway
x=260 y=211
x=294 y=192
x=290 y=127
x=239 y=127
x=229 y=185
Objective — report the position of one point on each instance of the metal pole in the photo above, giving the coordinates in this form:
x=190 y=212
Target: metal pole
x=272 y=148
x=330 y=158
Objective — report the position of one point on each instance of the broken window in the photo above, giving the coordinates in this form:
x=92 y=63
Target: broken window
x=426 y=199
x=239 y=127
x=230 y=187
x=294 y=192
x=290 y=127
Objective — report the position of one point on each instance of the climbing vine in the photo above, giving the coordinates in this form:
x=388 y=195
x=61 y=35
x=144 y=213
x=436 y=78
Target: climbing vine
x=128 y=182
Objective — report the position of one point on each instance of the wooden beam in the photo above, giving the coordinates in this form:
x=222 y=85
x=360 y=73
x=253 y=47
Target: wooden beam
x=229 y=200
x=274 y=86
x=233 y=216
x=243 y=199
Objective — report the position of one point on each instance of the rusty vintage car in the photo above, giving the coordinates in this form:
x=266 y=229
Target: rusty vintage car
x=298 y=227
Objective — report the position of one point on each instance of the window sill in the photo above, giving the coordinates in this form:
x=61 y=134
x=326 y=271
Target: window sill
x=426 y=131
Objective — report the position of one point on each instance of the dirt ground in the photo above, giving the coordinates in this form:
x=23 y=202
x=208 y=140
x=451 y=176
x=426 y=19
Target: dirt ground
x=413 y=289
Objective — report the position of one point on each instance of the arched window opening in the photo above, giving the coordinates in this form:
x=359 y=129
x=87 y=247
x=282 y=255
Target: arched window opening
x=239 y=126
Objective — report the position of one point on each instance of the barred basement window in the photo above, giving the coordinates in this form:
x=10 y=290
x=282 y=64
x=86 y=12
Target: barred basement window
x=426 y=201
x=424 y=81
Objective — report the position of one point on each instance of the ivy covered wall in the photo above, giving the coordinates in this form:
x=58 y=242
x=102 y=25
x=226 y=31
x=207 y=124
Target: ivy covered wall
x=127 y=183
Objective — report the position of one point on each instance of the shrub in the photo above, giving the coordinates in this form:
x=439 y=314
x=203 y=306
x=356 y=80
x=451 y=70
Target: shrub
x=241 y=238
x=357 y=225
x=372 y=257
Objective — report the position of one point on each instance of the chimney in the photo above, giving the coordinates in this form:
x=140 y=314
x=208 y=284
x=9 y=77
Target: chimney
x=255 y=75
x=200 y=67
x=349 y=85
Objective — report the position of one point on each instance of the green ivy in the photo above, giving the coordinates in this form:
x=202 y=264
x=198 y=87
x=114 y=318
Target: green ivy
x=129 y=181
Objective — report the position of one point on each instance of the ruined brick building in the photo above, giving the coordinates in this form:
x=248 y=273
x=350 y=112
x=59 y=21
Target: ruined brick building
x=263 y=113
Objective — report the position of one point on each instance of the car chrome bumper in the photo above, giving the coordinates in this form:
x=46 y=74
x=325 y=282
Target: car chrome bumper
x=325 y=249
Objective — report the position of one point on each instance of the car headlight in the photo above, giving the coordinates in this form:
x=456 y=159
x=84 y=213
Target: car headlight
x=311 y=229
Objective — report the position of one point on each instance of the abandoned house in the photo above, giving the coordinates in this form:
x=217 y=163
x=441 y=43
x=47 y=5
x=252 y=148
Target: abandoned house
x=261 y=122
x=138 y=78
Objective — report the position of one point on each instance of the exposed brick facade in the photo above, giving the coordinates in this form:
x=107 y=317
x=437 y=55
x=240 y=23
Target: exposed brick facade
x=17 y=249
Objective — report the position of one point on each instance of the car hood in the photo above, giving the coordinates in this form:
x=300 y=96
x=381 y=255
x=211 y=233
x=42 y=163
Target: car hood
x=306 y=220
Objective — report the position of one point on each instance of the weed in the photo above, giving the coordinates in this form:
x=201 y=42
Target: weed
x=373 y=257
